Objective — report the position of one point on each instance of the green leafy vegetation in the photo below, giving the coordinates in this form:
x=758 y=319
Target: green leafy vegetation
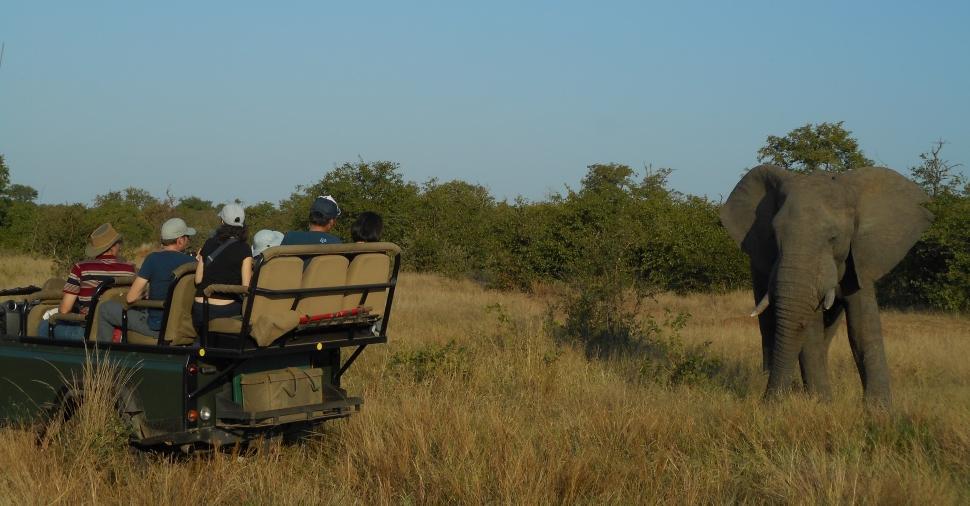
x=662 y=238
x=825 y=146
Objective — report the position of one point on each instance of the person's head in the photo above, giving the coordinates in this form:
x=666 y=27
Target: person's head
x=367 y=228
x=266 y=239
x=233 y=223
x=105 y=240
x=324 y=213
x=176 y=234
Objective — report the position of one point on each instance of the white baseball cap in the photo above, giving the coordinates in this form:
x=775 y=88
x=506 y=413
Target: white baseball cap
x=266 y=239
x=233 y=214
x=175 y=228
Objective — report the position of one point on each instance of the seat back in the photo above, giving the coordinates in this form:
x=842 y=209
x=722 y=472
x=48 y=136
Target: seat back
x=326 y=271
x=177 y=327
x=328 y=265
x=366 y=269
x=277 y=273
x=117 y=292
x=47 y=298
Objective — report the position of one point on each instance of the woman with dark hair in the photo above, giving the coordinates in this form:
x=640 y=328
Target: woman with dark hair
x=368 y=227
x=225 y=259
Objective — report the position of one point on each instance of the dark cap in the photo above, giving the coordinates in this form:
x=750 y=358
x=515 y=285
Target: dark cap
x=325 y=206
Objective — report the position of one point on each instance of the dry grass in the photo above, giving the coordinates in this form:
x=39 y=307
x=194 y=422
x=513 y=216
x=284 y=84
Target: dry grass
x=22 y=270
x=505 y=415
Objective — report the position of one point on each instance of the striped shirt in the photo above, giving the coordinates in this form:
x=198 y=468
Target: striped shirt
x=86 y=275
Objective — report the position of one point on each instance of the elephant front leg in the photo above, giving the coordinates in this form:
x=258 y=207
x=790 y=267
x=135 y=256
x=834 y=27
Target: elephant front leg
x=766 y=323
x=868 y=350
x=814 y=357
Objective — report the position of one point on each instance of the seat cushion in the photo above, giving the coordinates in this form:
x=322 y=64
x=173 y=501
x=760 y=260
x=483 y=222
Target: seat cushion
x=226 y=325
x=323 y=272
x=366 y=269
x=136 y=338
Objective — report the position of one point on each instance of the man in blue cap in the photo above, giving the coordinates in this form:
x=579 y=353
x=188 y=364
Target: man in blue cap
x=323 y=216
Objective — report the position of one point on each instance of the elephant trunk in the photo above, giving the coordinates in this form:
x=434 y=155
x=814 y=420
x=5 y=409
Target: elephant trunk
x=795 y=301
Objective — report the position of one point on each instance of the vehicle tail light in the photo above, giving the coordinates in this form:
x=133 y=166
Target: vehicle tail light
x=192 y=415
x=192 y=369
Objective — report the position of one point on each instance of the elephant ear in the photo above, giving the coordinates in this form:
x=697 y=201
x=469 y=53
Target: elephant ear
x=889 y=219
x=748 y=212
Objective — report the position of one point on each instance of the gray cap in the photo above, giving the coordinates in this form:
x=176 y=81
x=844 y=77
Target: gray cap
x=266 y=239
x=326 y=206
x=233 y=214
x=175 y=228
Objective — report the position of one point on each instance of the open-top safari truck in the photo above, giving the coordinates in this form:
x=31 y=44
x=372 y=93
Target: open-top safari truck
x=275 y=369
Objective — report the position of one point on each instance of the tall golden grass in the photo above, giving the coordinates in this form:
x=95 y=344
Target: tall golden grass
x=22 y=270
x=473 y=402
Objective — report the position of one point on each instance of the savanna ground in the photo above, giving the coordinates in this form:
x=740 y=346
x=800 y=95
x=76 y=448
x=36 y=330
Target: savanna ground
x=473 y=401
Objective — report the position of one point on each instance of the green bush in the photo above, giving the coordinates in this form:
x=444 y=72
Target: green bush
x=936 y=272
x=430 y=361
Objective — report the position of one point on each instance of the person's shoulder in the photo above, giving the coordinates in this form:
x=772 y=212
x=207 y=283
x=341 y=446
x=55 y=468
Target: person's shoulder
x=168 y=257
x=293 y=237
x=151 y=258
x=209 y=245
x=242 y=248
x=118 y=265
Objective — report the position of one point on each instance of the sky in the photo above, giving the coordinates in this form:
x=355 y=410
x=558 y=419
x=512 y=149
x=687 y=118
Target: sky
x=228 y=100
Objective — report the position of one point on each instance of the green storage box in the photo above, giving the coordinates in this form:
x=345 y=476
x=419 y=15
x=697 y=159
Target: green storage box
x=281 y=388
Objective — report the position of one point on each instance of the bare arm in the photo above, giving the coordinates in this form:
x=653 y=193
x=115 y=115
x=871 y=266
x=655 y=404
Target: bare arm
x=67 y=302
x=198 y=269
x=136 y=290
x=247 y=270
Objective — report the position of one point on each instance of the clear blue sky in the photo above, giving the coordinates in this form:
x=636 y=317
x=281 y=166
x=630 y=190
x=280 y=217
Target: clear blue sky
x=227 y=100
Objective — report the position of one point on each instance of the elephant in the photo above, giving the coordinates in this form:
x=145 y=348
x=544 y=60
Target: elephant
x=817 y=244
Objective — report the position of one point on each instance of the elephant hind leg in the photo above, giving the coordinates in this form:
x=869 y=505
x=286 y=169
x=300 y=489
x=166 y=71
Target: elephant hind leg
x=814 y=357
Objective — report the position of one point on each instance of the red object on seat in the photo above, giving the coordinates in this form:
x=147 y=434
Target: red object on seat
x=329 y=316
x=116 y=336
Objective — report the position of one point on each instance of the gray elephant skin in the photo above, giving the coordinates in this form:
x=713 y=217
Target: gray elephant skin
x=818 y=243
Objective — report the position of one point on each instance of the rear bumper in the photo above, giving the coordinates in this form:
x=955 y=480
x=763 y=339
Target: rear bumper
x=233 y=427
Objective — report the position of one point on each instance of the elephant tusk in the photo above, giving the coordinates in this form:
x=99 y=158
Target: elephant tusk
x=760 y=308
x=829 y=298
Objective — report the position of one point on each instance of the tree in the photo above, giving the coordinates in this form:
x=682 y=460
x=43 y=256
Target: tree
x=194 y=203
x=4 y=175
x=264 y=215
x=936 y=175
x=21 y=193
x=357 y=187
x=824 y=146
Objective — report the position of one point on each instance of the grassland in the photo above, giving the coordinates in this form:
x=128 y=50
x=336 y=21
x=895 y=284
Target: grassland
x=472 y=401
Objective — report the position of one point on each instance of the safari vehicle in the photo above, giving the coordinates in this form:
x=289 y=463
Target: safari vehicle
x=275 y=369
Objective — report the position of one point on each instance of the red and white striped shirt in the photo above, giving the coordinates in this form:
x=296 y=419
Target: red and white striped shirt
x=84 y=277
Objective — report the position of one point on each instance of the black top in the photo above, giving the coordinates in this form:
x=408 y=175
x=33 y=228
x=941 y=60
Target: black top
x=225 y=269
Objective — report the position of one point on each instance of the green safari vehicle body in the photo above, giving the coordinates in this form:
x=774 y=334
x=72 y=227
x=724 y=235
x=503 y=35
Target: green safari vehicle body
x=196 y=394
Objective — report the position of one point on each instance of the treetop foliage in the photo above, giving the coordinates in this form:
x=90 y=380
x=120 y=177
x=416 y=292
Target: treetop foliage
x=936 y=175
x=823 y=146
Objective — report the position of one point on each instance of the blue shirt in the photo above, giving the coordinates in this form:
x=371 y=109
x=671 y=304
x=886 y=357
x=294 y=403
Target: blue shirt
x=309 y=237
x=157 y=269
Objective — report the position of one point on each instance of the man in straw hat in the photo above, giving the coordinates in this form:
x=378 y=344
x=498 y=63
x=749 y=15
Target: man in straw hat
x=156 y=274
x=85 y=277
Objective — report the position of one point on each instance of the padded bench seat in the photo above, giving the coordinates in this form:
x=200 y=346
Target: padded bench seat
x=294 y=283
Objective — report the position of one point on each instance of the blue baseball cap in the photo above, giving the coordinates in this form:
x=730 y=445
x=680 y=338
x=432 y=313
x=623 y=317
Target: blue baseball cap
x=325 y=206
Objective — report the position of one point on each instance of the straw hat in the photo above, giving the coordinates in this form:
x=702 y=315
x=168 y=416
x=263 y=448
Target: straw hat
x=103 y=238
